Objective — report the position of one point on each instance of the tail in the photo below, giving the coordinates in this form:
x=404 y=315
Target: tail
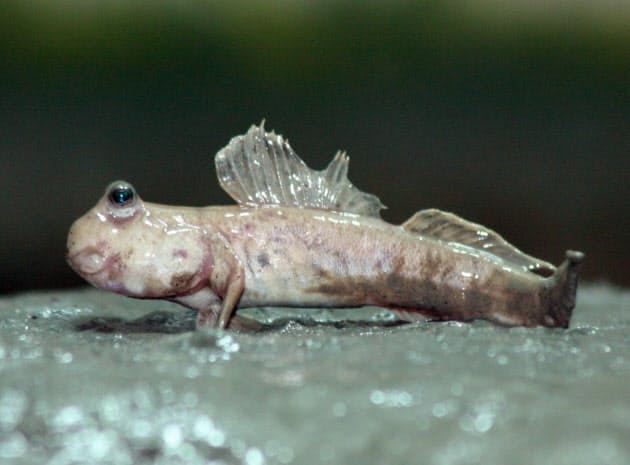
x=564 y=283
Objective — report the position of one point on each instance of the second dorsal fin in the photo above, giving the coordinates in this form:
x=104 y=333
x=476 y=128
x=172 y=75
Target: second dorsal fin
x=451 y=228
x=261 y=168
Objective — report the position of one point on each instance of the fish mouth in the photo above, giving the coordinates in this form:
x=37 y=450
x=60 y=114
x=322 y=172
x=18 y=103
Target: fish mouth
x=100 y=271
x=91 y=261
x=87 y=261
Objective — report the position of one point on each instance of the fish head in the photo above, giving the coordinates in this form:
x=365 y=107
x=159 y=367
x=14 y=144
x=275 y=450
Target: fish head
x=138 y=249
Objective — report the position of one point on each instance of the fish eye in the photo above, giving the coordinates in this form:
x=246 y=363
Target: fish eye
x=121 y=194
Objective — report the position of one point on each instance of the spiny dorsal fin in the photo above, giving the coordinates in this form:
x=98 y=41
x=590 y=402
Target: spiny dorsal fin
x=261 y=168
x=448 y=227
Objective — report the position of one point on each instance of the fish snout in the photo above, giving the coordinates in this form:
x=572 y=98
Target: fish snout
x=88 y=261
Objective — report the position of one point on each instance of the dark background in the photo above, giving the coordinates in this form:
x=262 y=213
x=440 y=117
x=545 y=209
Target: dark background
x=513 y=114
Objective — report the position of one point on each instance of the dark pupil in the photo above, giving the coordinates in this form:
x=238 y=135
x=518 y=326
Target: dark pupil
x=121 y=195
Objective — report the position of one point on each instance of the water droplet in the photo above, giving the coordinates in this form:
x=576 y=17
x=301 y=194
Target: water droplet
x=228 y=344
x=100 y=444
x=13 y=446
x=483 y=422
x=172 y=436
x=254 y=457
x=68 y=418
x=205 y=430
x=216 y=438
x=377 y=397
x=63 y=357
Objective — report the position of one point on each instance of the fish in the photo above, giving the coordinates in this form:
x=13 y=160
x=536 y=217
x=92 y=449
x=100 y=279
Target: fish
x=299 y=237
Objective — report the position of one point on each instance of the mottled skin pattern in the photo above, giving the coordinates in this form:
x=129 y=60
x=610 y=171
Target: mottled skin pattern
x=302 y=257
x=217 y=259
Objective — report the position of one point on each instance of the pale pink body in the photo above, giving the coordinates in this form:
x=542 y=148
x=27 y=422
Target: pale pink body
x=297 y=257
x=300 y=237
x=303 y=257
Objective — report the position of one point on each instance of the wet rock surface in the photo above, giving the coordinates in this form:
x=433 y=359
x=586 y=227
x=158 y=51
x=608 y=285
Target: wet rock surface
x=89 y=377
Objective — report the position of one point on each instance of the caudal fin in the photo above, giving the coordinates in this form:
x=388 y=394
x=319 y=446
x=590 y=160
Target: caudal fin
x=564 y=283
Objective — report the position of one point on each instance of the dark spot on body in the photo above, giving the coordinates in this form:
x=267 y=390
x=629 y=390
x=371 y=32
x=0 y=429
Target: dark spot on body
x=386 y=289
x=399 y=290
x=263 y=259
x=180 y=253
x=319 y=272
x=181 y=282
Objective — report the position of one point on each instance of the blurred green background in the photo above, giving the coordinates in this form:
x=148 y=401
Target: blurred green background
x=514 y=114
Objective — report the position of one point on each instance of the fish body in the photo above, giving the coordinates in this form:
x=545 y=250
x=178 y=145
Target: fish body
x=300 y=237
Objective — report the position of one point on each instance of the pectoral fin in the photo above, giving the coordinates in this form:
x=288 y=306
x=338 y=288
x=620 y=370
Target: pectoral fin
x=230 y=300
x=220 y=312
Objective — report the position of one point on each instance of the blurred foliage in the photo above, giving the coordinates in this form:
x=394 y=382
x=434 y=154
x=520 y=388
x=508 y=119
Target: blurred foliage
x=296 y=42
x=514 y=113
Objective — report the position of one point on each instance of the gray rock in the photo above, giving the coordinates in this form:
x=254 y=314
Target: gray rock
x=88 y=377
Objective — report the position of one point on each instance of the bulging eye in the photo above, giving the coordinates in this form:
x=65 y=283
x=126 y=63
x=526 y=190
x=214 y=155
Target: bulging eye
x=121 y=194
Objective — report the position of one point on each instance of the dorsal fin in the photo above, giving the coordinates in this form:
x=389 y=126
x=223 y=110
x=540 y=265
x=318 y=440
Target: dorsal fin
x=448 y=227
x=261 y=168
